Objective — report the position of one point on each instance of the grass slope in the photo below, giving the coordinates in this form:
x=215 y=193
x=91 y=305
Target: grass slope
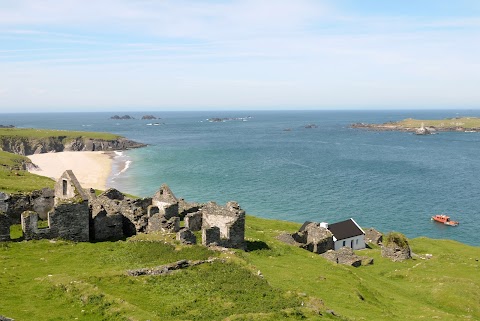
x=43 y=280
x=14 y=180
x=47 y=133
x=445 y=287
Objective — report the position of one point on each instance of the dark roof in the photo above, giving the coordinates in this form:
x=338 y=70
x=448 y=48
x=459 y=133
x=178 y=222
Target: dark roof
x=345 y=229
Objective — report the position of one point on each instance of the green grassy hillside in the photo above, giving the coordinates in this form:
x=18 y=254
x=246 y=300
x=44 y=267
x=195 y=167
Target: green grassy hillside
x=44 y=280
x=464 y=122
x=47 y=133
x=13 y=179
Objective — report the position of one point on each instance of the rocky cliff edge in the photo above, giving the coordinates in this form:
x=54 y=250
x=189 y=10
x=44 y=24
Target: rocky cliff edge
x=30 y=145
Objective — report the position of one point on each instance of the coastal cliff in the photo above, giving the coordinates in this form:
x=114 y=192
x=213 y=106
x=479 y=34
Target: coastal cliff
x=30 y=146
x=29 y=141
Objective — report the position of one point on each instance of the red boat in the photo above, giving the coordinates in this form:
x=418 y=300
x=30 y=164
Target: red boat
x=442 y=218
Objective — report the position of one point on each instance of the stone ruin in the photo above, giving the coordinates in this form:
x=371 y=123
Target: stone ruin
x=69 y=219
x=396 y=247
x=373 y=236
x=79 y=215
x=312 y=237
x=223 y=225
x=114 y=216
x=163 y=214
x=346 y=256
x=13 y=205
x=396 y=253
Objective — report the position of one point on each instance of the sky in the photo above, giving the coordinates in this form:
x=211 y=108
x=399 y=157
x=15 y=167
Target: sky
x=114 y=55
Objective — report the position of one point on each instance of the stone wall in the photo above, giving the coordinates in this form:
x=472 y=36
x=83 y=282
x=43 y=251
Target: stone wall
x=185 y=236
x=71 y=221
x=210 y=235
x=230 y=221
x=30 y=228
x=3 y=202
x=133 y=211
x=104 y=226
x=185 y=208
x=43 y=202
x=14 y=205
x=159 y=223
x=135 y=214
x=396 y=253
x=68 y=221
x=193 y=221
x=4 y=227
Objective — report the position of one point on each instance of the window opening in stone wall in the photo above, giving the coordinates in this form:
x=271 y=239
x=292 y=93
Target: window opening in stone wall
x=42 y=224
x=64 y=187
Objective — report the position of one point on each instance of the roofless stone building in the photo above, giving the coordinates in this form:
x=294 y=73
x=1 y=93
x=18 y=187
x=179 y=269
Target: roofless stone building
x=70 y=217
x=79 y=215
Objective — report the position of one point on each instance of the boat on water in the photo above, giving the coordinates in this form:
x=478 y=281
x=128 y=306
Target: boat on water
x=445 y=219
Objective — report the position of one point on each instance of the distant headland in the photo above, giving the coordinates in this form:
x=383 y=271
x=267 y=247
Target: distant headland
x=29 y=141
x=457 y=124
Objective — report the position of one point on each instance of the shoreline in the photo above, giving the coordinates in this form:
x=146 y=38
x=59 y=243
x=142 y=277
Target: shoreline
x=92 y=169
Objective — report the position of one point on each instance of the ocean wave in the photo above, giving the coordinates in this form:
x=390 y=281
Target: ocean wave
x=125 y=167
x=118 y=153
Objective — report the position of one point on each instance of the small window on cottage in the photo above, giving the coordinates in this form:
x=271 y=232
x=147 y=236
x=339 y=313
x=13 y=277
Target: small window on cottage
x=344 y=243
x=64 y=187
x=356 y=242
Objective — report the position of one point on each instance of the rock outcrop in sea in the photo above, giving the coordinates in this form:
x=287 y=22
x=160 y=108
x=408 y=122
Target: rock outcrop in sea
x=149 y=117
x=122 y=117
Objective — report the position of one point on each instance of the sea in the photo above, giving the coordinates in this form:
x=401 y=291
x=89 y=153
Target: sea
x=299 y=165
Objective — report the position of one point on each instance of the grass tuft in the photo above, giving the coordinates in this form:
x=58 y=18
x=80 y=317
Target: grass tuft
x=395 y=238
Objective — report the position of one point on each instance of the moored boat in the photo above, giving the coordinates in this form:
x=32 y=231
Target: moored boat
x=445 y=219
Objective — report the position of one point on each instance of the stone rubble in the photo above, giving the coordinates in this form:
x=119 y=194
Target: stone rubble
x=168 y=268
x=346 y=256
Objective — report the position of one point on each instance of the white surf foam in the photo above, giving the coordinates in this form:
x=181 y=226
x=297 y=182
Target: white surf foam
x=125 y=167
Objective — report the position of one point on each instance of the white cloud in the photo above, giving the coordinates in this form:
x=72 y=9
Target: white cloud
x=237 y=53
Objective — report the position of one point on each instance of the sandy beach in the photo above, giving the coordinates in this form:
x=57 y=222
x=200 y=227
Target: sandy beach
x=92 y=169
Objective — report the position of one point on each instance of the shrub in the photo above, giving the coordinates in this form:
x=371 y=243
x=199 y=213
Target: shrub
x=395 y=238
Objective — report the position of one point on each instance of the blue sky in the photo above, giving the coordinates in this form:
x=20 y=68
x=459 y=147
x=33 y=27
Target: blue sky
x=72 y=55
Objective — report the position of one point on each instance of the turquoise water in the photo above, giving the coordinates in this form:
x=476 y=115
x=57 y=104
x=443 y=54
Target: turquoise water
x=388 y=180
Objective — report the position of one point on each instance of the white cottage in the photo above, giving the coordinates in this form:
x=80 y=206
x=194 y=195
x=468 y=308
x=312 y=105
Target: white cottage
x=347 y=233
